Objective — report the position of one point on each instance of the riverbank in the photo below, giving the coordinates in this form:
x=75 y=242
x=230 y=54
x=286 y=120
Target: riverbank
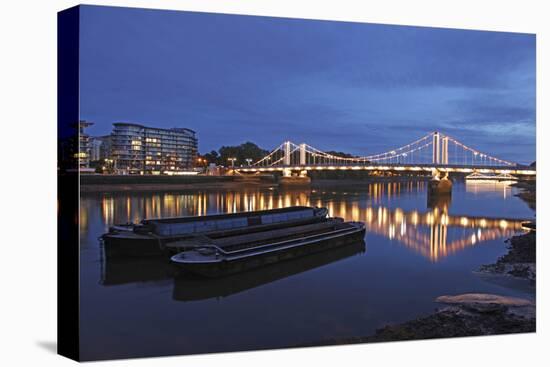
x=470 y=314
x=528 y=192
x=520 y=261
x=126 y=183
x=120 y=183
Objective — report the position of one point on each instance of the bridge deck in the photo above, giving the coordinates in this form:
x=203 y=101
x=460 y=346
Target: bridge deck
x=515 y=170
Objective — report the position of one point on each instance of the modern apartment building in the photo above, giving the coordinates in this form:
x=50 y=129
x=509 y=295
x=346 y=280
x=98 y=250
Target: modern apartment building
x=83 y=154
x=100 y=147
x=138 y=149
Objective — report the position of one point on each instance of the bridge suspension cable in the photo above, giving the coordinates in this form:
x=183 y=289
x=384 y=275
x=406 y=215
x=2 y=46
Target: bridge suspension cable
x=433 y=148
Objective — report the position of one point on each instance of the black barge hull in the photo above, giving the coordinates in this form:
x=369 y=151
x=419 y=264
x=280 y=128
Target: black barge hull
x=214 y=269
x=154 y=237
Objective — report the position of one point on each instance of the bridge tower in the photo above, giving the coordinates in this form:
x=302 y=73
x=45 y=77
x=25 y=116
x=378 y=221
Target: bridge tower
x=302 y=154
x=445 y=150
x=440 y=153
x=286 y=157
x=436 y=148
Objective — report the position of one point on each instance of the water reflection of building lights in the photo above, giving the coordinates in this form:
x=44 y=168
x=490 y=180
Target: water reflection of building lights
x=398 y=215
x=415 y=218
x=428 y=233
x=430 y=218
x=391 y=231
x=369 y=214
x=343 y=209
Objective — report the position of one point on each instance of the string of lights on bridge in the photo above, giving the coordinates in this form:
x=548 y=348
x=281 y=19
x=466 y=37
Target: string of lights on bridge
x=433 y=148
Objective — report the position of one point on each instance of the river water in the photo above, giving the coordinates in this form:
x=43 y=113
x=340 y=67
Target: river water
x=415 y=249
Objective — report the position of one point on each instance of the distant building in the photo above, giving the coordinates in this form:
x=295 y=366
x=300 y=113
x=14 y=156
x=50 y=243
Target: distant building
x=84 y=147
x=138 y=149
x=100 y=147
x=95 y=146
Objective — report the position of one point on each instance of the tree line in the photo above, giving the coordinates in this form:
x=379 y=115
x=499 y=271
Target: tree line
x=239 y=154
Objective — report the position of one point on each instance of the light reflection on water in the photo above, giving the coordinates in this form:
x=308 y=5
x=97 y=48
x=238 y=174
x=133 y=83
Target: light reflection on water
x=430 y=231
x=417 y=248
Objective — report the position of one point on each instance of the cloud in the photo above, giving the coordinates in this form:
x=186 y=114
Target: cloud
x=354 y=87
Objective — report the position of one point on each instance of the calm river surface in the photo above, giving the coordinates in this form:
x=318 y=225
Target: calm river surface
x=414 y=251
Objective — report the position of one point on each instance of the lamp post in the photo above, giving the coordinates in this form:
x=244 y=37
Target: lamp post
x=248 y=160
x=232 y=160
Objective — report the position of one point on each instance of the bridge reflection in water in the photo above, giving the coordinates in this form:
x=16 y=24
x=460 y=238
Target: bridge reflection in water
x=434 y=232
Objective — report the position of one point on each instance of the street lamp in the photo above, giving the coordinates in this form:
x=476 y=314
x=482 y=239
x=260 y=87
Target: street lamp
x=232 y=160
x=248 y=160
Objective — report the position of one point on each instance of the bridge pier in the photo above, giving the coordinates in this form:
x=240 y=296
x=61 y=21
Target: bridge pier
x=297 y=179
x=440 y=185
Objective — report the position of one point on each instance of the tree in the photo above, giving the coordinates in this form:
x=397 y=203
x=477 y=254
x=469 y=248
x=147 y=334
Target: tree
x=212 y=157
x=241 y=153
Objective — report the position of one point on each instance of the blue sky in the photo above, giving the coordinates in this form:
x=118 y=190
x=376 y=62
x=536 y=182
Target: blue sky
x=353 y=87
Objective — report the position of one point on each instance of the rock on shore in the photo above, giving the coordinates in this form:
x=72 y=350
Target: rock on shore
x=520 y=261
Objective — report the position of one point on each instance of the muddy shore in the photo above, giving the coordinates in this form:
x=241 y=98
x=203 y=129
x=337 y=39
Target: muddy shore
x=520 y=261
x=528 y=192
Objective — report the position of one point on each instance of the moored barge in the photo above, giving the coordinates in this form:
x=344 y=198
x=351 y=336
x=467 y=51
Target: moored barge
x=214 y=261
x=172 y=235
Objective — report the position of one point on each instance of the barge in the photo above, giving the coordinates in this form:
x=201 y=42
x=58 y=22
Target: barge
x=214 y=261
x=172 y=235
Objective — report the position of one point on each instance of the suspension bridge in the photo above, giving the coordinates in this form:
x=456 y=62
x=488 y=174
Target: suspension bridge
x=434 y=153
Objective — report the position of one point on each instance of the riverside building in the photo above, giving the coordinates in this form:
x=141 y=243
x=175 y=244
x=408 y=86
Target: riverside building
x=84 y=149
x=138 y=149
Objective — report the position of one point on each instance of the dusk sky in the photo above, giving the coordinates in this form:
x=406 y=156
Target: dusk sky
x=352 y=87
